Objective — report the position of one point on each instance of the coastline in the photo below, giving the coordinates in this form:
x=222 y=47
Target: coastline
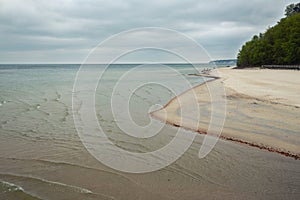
x=261 y=112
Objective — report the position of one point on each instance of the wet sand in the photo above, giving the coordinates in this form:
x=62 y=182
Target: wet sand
x=262 y=108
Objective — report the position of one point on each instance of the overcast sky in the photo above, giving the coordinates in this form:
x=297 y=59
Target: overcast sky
x=64 y=31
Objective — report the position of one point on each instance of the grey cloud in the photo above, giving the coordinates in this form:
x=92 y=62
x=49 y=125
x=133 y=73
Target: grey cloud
x=62 y=27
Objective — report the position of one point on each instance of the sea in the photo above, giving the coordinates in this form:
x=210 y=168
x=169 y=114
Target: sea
x=43 y=155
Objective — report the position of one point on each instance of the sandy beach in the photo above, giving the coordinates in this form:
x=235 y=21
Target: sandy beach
x=278 y=86
x=262 y=108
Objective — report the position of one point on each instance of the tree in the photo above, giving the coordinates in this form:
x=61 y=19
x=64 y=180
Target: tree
x=292 y=9
x=278 y=45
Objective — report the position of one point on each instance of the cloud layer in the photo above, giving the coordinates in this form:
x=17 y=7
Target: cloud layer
x=65 y=31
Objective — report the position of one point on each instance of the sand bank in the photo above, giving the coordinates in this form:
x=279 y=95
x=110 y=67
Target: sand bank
x=262 y=108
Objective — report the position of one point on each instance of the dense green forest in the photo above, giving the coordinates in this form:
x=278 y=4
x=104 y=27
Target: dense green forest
x=279 y=45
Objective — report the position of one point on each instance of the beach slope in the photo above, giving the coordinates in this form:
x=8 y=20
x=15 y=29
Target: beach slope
x=262 y=108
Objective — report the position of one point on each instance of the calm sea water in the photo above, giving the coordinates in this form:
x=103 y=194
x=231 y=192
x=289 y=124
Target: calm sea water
x=42 y=157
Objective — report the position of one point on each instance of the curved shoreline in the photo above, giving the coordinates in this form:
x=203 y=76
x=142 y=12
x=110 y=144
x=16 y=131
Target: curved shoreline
x=272 y=141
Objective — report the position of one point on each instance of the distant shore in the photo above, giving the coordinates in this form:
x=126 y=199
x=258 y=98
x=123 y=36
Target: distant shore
x=263 y=108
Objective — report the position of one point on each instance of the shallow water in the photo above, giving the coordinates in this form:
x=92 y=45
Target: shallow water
x=42 y=157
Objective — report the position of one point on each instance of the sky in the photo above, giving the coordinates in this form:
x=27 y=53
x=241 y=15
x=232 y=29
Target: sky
x=65 y=31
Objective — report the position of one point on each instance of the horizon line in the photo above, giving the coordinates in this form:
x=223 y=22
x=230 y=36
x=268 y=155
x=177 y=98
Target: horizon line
x=118 y=63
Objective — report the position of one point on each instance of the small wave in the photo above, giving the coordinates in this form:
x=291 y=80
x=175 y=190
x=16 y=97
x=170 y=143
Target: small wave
x=73 y=187
x=58 y=96
x=10 y=190
x=10 y=187
x=2 y=103
x=76 y=188
x=54 y=185
x=62 y=163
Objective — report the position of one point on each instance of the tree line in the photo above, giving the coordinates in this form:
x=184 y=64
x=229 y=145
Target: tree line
x=279 y=45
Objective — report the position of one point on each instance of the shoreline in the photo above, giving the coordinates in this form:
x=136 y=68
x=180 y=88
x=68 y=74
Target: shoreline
x=252 y=132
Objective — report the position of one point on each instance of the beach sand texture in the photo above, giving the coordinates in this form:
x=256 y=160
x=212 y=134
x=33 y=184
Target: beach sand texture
x=262 y=108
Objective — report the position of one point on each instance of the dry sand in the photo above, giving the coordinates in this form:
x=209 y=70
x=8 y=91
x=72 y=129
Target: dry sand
x=280 y=86
x=262 y=108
